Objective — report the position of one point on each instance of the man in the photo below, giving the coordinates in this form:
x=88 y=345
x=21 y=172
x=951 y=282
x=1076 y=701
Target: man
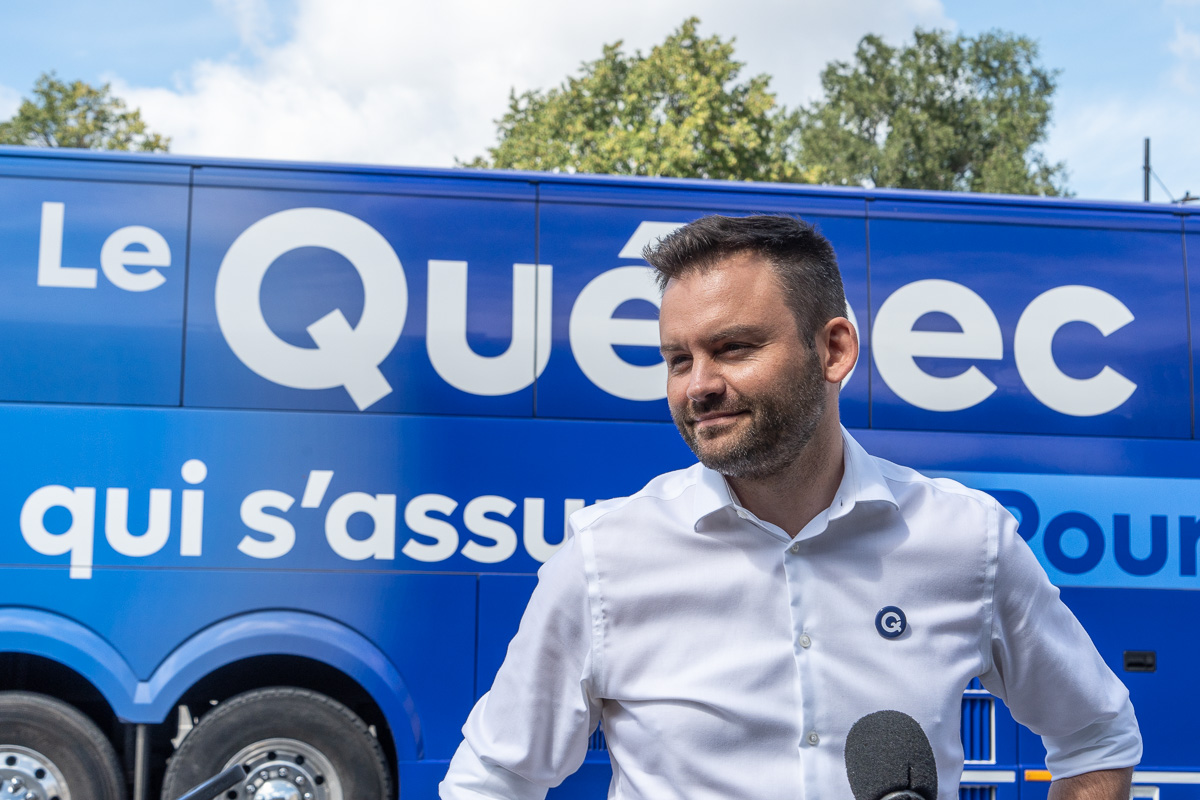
x=732 y=621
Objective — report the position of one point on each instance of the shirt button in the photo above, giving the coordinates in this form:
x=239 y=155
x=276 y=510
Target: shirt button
x=795 y=548
x=805 y=641
x=743 y=514
x=813 y=739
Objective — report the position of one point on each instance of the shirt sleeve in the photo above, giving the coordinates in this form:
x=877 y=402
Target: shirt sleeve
x=1047 y=671
x=530 y=731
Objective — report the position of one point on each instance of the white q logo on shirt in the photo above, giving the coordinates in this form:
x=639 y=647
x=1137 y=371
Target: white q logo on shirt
x=890 y=622
x=344 y=356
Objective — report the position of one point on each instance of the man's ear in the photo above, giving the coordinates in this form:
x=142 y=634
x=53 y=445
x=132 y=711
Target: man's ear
x=837 y=344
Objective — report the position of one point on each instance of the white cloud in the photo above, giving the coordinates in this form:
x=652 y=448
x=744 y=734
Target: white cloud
x=420 y=83
x=253 y=19
x=1186 y=44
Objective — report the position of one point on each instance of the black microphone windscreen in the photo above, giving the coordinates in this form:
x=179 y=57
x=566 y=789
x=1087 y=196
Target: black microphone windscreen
x=887 y=752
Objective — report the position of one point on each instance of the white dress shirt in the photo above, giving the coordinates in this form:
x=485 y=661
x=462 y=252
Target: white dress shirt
x=728 y=660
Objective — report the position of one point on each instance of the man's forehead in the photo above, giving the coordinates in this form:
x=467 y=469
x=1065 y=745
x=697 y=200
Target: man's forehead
x=740 y=260
x=741 y=272
x=741 y=295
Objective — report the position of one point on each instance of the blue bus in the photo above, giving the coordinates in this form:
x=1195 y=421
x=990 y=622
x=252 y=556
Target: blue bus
x=285 y=444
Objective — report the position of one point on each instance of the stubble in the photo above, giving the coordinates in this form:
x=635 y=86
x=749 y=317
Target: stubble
x=782 y=423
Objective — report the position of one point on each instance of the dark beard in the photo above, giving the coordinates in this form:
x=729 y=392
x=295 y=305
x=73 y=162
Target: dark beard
x=782 y=424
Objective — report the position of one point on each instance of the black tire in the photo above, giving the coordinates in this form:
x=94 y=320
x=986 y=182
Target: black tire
x=51 y=747
x=324 y=747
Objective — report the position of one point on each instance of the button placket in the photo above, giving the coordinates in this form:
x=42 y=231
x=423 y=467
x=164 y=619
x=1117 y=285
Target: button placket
x=796 y=570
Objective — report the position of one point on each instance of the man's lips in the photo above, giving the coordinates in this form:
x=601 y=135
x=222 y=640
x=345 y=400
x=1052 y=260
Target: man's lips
x=714 y=418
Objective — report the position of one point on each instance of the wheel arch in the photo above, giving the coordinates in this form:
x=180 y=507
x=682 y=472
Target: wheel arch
x=47 y=635
x=250 y=637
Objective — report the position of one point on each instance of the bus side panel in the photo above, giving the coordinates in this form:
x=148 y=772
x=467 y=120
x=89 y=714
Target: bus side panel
x=335 y=514
x=1074 y=325
x=92 y=280
x=341 y=321
x=1140 y=623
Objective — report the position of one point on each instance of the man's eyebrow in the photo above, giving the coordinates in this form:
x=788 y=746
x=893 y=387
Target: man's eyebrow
x=737 y=332
x=724 y=334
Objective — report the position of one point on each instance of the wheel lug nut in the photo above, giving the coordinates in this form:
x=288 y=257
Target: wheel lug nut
x=299 y=780
x=283 y=771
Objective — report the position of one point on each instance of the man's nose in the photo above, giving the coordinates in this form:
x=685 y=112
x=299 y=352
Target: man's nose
x=706 y=381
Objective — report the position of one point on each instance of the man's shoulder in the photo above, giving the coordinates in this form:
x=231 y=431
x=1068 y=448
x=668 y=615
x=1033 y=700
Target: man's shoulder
x=907 y=482
x=667 y=489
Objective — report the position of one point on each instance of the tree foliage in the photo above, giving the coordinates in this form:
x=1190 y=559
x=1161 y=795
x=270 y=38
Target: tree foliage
x=78 y=115
x=942 y=113
x=677 y=111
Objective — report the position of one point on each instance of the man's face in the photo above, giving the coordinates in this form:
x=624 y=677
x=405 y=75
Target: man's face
x=744 y=390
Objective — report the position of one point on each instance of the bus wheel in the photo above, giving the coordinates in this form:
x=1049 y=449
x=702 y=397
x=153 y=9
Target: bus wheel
x=294 y=743
x=50 y=750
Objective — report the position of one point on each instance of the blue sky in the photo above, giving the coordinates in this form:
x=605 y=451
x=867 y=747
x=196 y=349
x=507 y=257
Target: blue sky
x=397 y=82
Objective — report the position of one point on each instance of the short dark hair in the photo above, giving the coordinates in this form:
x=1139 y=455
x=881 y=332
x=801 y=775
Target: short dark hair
x=801 y=257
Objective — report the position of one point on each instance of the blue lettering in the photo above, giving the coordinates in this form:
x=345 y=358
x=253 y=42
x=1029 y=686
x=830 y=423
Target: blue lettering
x=1123 y=545
x=1057 y=528
x=1189 y=535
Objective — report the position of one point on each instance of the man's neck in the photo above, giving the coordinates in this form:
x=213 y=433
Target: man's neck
x=793 y=497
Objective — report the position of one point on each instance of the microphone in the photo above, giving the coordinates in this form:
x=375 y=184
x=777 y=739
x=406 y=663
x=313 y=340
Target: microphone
x=888 y=757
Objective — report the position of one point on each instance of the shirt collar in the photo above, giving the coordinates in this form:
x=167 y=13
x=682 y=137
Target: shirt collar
x=862 y=482
x=712 y=495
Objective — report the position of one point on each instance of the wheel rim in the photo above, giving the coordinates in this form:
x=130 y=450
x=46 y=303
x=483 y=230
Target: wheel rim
x=28 y=775
x=285 y=769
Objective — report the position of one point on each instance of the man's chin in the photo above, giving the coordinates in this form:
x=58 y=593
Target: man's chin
x=716 y=431
x=710 y=455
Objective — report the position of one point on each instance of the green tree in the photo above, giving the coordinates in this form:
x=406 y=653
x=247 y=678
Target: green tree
x=678 y=111
x=942 y=113
x=78 y=115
